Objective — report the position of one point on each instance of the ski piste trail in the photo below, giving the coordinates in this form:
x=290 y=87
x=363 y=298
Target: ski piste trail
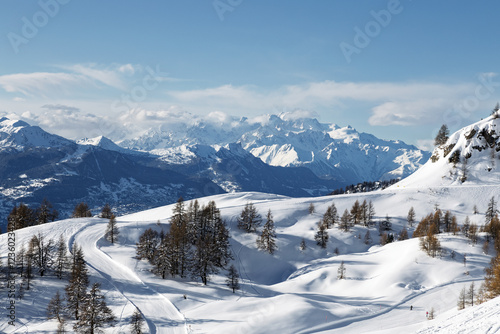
x=159 y=313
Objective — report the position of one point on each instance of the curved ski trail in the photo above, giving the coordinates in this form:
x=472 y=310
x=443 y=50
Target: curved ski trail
x=159 y=313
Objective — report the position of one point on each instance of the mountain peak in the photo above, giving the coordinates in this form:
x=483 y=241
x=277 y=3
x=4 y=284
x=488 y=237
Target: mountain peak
x=471 y=155
x=18 y=134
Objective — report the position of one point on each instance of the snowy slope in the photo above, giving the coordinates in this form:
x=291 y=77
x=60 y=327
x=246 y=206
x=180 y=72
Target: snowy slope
x=477 y=147
x=484 y=318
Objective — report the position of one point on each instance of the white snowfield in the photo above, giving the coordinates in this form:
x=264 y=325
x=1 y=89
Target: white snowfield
x=292 y=291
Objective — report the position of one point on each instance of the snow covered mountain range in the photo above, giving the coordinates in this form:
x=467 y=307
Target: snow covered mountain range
x=293 y=157
x=329 y=151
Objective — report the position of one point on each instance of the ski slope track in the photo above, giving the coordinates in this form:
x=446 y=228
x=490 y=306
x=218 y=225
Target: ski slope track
x=160 y=314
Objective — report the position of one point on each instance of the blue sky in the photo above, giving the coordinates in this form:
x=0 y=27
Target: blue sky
x=397 y=69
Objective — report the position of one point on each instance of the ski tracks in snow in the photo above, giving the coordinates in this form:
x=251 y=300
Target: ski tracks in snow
x=160 y=314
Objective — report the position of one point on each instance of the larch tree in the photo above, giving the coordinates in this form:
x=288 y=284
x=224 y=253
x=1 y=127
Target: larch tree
x=368 y=238
x=106 y=212
x=55 y=308
x=303 y=245
x=180 y=239
x=442 y=136
x=492 y=279
x=112 y=229
x=61 y=263
x=232 y=280
x=81 y=211
x=404 y=234
x=345 y=221
x=371 y=212
x=471 y=294
x=95 y=314
x=42 y=253
x=341 y=270
x=136 y=322
x=321 y=235
x=267 y=240
x=411 y=217
x=78 y=282
x=148 y=244
x=249 y=219
x=430 y=244
x=46 y=213
x=356 y=213
x=462 y=299
x=212 y=244
x=311 y=208
x=331 y=217
x=491 y=210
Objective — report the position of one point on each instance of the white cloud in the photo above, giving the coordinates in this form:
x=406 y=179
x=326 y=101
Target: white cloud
x=392 y=103
x=408 y=112
x=40 y=83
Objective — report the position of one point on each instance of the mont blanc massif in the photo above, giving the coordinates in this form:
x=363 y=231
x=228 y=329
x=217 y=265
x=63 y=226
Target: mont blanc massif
x=258 y=243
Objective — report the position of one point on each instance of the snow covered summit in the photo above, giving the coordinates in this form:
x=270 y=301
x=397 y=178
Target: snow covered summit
x=470 y=156
x=329 y=151
x=16 y=134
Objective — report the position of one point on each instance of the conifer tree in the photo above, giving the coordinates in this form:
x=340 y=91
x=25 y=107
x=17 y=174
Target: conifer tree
x=136 y=322
x=341 y=271
x=466 y=226
x=21 y=259
x=78 y=282
x=411 y=217
x=303 y=245
x=212 y=244
x=430 y=243
x=491 y=211
x=42 y=250
x=45 y=213
x=462 y=299
x=364 y=213
x=112 y=230
x=471 y=294
x=481 y=294
x=492 y=279
x=404 y=234
x=473 y=233
x=106 y=212
x=442 y=136
x=232 y=280
x=95 y=314
x=356 y=213
x=368 y=238
x=321 y=235
x=311 y=208
x=20 y=217
x=148 y=244
x=267 y=240
x=331 y=216
x=345 y=221
x=28 y=273
x=55 y=309
x=249 y=219
x=61 y=262
x=81 y=211
x=371 y=212
x=180 y=239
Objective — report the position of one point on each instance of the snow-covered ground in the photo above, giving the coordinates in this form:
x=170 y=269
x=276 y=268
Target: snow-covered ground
x=293 y=291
